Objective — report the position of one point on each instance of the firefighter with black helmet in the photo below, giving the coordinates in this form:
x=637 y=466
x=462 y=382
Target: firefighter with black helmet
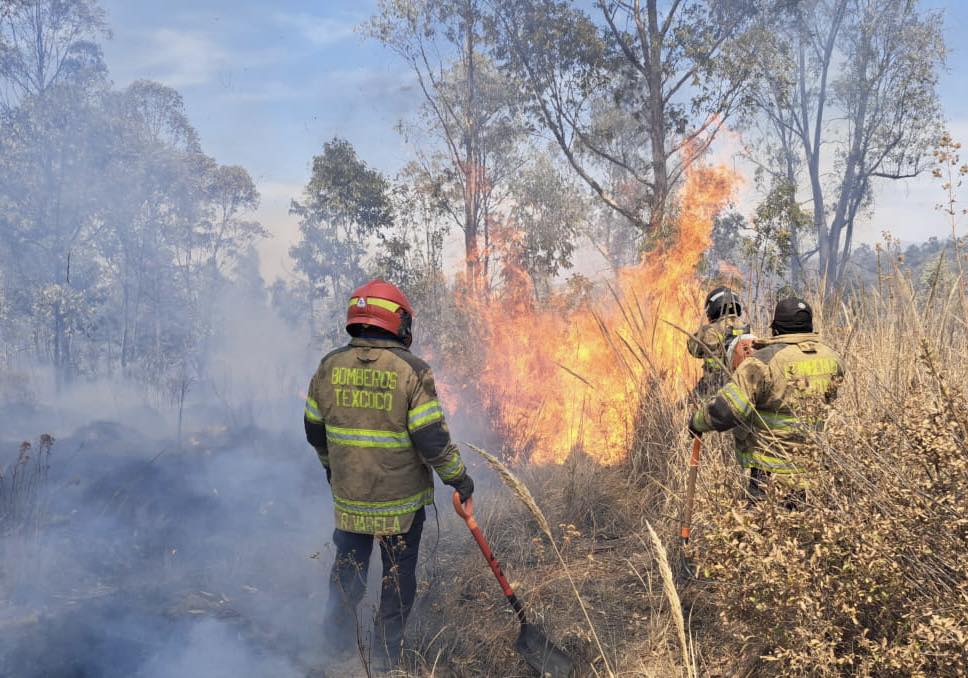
x=374 y=418
x=775 y=397
x=710 y=342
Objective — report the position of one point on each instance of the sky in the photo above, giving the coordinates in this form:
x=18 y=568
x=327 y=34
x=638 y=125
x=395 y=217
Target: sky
x=267 y=84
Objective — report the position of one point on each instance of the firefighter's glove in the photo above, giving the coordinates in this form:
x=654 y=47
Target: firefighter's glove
x=695 y=423
x=464 y=486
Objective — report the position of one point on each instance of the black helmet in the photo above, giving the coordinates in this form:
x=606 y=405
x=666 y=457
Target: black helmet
x=722 y=301
x=792 y=315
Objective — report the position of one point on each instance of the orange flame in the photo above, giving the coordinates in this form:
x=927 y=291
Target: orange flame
x=561 y=375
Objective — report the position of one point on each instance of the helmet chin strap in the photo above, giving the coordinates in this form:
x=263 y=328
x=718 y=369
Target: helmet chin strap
x=406 y=328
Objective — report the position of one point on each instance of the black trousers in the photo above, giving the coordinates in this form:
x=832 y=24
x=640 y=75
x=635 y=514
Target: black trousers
x=793 y=501
x=347 y=585
x=757 y=488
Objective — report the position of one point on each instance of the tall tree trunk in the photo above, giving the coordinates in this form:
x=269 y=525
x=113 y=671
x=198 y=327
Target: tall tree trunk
x=819 y=217
x=812 y=145
x=660 y=194
x=472 y=169
x=472 y=254
x=811 y=150
x=125 y=319
x=854 y=184
x=796 y=266
x=58 y=346
x=657 y=122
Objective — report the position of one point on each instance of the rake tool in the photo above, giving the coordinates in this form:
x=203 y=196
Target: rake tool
x=539 y=652
x=686 y=526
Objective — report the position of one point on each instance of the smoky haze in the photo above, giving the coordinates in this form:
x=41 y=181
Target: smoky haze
x=177 y=523
x=126 y=553
x=145 y=558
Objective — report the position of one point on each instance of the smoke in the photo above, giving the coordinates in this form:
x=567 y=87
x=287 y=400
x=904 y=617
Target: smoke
x=152 y=558
x=146 y=558
x=214 y=650
x=180 y=525
x=148 y=555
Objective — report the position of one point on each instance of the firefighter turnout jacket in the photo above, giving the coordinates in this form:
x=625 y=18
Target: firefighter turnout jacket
x=373 y=416
x=710 y=343
x=775 y=397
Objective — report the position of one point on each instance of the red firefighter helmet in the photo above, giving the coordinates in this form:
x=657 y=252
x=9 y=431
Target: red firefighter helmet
x=380 y=304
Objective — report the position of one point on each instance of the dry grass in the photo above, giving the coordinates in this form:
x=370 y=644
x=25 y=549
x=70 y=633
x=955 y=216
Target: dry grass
x=22 y=485
x=464 y=626
x=871 y=579
x=24 y=508
x=675 y=605
x=522 y=492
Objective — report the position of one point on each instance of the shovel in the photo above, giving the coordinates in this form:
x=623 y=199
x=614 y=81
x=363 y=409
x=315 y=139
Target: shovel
x=686 y=525
x=532 y=644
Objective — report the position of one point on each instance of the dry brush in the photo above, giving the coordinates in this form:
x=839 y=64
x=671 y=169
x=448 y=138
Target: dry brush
x=870 y=579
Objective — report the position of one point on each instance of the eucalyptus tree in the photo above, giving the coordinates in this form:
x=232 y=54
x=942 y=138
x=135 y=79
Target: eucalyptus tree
x=471 y=111
x=632 y=91
x=849 y=91
x=47 y=42
x=343 y=204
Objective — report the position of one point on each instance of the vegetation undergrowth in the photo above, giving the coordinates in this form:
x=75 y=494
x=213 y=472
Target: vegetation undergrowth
x=869 y=579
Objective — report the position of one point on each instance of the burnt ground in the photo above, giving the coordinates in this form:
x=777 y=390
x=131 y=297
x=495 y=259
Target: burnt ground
x=134 y=557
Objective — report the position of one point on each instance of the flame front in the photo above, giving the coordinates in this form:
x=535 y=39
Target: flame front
x=560 y=376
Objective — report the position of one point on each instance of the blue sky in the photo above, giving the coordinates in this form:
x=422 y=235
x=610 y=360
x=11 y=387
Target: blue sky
x=266 y=84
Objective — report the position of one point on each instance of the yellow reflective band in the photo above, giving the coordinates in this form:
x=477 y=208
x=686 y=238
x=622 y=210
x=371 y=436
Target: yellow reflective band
x=312 y=411
x=380 y=303
x=739 y=403
x=394 y=507
x=775 y=420
x=425 y=414
x=359 y=437
x=699 y=421
x=376 y=525
x=768 y=463
x=814 y=367
x=453 y=468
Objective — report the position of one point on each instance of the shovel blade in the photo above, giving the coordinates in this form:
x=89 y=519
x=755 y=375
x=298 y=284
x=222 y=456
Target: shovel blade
x=542 y=655
x=685 y=569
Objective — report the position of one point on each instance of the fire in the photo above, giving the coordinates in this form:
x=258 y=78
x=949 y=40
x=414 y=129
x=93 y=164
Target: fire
x=562 y=376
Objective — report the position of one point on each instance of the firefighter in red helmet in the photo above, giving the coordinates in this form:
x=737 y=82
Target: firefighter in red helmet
x=373 y=416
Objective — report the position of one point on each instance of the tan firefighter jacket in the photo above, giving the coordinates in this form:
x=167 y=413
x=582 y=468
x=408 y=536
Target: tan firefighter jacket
x=373 y=416
x=776 y=398
x=710 y=343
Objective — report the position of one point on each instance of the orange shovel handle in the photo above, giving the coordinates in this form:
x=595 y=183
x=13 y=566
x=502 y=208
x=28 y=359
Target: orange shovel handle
x=690 y=491
x=466 y=511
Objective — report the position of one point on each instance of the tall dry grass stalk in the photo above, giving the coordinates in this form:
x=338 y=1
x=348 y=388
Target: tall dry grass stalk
x=23 y=484
x=522 y=492
x=517 y=486
x=672 y=595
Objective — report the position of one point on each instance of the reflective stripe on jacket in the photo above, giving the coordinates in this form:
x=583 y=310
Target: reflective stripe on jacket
x=774 y=397
x=710 y=343
x=373 y=415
